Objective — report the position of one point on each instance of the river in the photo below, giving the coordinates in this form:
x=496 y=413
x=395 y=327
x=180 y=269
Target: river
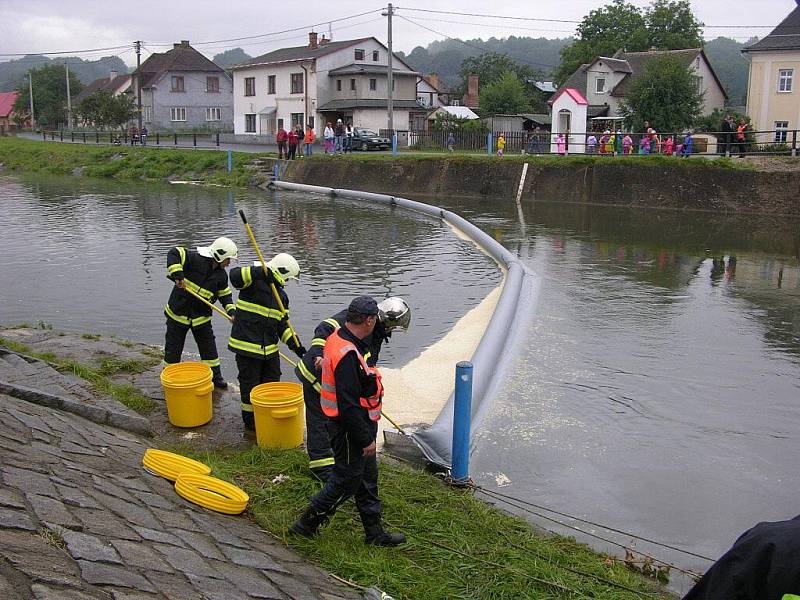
x=658 y=387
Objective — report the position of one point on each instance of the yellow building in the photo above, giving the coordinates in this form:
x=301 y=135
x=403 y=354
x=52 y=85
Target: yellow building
x=773 y=97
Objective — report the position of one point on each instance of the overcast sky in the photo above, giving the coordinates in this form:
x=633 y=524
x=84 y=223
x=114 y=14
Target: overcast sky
x=36 y=26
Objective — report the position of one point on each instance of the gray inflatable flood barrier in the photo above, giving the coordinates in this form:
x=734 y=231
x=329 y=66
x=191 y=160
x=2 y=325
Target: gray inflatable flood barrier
x=494 y=354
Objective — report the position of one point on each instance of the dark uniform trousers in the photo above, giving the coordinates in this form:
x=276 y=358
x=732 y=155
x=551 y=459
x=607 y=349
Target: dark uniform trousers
x=252 y=372
x=353 y=475
x=318 y=443
x=203 y=336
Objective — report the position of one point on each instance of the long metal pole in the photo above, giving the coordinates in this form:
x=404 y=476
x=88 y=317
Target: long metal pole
x=69 y=97
x=389 y=71
x=138 y=45
x=30 y=97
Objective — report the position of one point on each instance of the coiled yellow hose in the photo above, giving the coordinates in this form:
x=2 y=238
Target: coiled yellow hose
x=212 y=493
x=169 y=465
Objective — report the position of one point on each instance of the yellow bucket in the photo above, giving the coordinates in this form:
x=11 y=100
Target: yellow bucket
x=278 y=412
x=187 y=390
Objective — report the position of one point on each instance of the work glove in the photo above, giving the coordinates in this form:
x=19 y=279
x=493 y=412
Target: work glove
x=300 y=351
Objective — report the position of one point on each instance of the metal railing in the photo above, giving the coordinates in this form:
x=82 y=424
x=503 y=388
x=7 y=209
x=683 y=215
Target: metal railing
x=123 y=138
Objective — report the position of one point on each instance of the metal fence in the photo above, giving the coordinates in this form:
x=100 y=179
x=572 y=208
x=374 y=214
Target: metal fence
x=123 y=138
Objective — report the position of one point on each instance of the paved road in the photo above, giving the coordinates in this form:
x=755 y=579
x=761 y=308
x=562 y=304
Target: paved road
x=80 y=520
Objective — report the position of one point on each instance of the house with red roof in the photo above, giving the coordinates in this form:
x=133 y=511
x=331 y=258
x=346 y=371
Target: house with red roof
x=569 y=113
x=7 y=100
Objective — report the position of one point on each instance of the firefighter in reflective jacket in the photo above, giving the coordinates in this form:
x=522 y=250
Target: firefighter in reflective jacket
x=393 y=313
x=203 y=272
x=259 y=326
x=351 y=396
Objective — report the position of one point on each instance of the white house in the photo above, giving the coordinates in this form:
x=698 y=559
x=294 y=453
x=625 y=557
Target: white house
x=569 y=113
x=606 y=80
x=320 y=82
x=431 y=93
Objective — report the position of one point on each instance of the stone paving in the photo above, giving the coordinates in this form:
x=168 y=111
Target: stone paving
x=80 y=519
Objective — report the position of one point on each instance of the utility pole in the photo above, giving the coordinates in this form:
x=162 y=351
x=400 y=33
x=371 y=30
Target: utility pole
x=69 y=98
x=138 y=46
x=30 y=96
x=389 y=72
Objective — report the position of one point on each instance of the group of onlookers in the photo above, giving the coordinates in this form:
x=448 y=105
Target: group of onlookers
x=733 y=136
x=289 y=141
x=338 y=138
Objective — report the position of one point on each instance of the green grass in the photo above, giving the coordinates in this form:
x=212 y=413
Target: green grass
x=123 y=162
x=98 y=375
x=459 y=547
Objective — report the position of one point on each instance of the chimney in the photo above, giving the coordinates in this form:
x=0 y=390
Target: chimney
x=183 y=44
x=471 y=97
x=312 y=40
x=324 y=40
x=112 y=75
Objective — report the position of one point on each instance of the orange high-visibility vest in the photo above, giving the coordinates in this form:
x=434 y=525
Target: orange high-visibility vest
x=336 y=347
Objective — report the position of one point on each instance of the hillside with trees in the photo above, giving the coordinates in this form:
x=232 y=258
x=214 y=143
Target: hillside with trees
x=13 y=73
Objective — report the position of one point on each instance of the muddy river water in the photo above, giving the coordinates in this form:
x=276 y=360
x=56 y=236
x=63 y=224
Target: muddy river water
x=658 y=387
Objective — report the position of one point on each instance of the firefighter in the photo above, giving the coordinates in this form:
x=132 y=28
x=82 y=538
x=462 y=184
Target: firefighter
x=351 y=395
x=203 y=272
x=259 y=326
x=393 y=313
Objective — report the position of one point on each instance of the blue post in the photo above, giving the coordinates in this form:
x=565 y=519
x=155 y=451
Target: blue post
x=489 y=145
x=275 y=173
x=394 y=144
x=462 y=415
x=230 y=161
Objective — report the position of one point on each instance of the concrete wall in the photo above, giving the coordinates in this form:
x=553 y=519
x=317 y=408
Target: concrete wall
x=765 y=104
x=195 y=99
x=681 y=186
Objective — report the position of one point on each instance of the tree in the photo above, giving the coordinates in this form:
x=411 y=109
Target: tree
x=601 y=33
x=106 y=110
x=492 y=66
x=664 y=25
x=665 y=95
x=49 y=94
x=506 y=95
x=235 y=56
x=671 y=25
x=447 y=122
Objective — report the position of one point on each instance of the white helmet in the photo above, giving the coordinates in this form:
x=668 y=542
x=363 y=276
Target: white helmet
x=285 y=265
x=394 y=312
x=220 y=249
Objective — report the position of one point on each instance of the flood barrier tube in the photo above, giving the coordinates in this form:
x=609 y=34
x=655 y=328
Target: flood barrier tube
x=495 y=352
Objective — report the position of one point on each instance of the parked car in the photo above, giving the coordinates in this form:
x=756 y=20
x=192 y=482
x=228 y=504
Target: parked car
x=366 y=139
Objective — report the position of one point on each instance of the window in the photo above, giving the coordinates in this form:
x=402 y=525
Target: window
x=249 y=86
x=698 y=83
x=271 y=84
x=353 y=85
x=600 y=85
x=359 y=54
x=213 y=113
x=375 y=55
x=147 y=114
x=393 y=82
x=297 y=83
x=297 y=119
x=212 y=85
x=455 y=102
x=177 y=113
x=785 y=80
x=177 y=83
x=781 y=131
x=280 y=123
x=373 y=85
x=338 y=85
x=250 y=123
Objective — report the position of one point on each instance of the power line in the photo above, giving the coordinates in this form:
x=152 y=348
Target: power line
x=66 y=51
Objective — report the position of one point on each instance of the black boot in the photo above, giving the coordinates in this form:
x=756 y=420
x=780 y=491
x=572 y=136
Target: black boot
x=375 y=534
x=217 y=379
x=308 y=523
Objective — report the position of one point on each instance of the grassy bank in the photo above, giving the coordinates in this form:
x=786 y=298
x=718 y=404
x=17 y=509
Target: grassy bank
x=459 y=547
x=99 y=375
x=125 y=162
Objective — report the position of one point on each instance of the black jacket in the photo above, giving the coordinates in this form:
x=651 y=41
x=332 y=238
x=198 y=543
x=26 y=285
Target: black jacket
x=259 y=323
x=306 y=371
x=205 y=277
x=763 y=564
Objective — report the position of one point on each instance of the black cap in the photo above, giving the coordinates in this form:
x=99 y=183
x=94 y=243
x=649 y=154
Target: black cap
x=364 y=305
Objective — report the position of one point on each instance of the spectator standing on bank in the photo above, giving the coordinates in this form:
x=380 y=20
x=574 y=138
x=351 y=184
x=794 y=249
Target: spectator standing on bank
x=451 y=142
x=281 y=139
x=644 y=146
x=669 y=145
x=134 y=134
x=741 y=137
x=688 y=145
x=561 y=144
x=348 y=138
x=292 y=141
x=338 y=137
x=627 y=145
x=501 y=144
x=591 y=144
x=308 y=140
x=726 y=135
x=143 y=135
x=328 y=137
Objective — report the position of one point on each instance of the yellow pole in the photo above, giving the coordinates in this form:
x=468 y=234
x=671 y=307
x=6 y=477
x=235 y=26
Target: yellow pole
x=230 y=318
x=264 y=265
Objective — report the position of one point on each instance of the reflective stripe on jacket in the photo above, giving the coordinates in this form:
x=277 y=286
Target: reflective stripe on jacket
x=203 y=276
x=335 y=349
